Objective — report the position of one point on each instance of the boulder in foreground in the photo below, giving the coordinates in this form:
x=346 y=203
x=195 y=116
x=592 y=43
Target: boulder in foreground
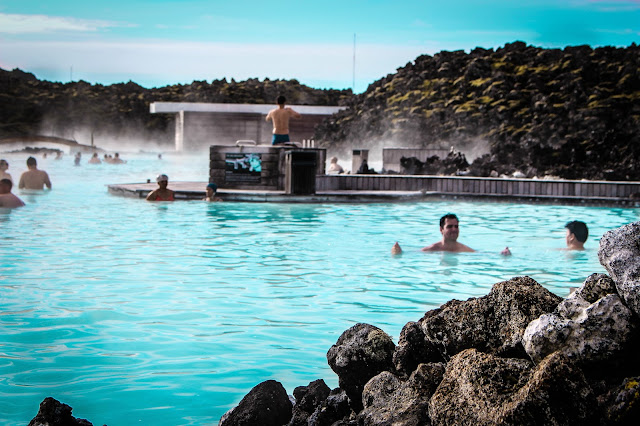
x=361 y=352
x=266 y=404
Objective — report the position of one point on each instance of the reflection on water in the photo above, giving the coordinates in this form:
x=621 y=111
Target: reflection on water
x=157 y=307
x=449 y=259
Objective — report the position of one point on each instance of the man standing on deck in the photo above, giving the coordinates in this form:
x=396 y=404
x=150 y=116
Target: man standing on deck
x=280 y=117
x=34 y=178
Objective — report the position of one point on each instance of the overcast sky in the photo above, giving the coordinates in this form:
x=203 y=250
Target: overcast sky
x=159 y=42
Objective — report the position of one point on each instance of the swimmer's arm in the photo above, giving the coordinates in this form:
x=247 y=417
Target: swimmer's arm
x=269 y=116
x=47 y=182
x=21 y=183
x=152 y=195
x=396 y=249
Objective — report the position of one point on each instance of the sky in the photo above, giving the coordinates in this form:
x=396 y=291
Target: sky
x=323 y=44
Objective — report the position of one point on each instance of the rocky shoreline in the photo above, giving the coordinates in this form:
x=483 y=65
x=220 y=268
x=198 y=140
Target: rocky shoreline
x=519 y=355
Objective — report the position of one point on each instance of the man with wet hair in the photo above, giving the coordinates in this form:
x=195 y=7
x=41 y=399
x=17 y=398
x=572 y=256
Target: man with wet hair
x=450 y=231
x=449 y=228
x=577 y=234
x=280 y=117
x=34 y=178
x=7 y=198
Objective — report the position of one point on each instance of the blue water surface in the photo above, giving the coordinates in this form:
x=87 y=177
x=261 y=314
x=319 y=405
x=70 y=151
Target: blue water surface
x=168 y=313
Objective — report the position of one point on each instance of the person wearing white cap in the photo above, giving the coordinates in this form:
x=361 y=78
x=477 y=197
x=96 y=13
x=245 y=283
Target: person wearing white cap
x=162 y=193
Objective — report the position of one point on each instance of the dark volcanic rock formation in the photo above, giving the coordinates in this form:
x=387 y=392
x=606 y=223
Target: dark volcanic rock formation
x=308 y=398
x=483 y=389
x=54 y=413
x=493 y=323
x=333 y=409
x=267 y=404
x=389 y=400
x=572 y=112
x=360 y=353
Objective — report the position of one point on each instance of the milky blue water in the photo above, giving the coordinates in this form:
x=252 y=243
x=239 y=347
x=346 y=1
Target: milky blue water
x=168 y=313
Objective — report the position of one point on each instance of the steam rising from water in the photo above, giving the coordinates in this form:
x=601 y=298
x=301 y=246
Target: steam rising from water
x=471 y=148
x=110 y=137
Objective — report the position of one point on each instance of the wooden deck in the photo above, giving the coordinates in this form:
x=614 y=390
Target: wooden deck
x=195 y=191
x=381 y=188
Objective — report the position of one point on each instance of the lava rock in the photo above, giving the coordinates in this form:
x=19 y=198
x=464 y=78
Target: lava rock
x=389 y=401
x=54 y=413
x=360 y=353
x=619 y=253
x=591 y=325
x=308 y=398
x=483 y=389
x=335 y=410
x=587 y=332
x=266 y=404
x=624 y=403
x=494 y=323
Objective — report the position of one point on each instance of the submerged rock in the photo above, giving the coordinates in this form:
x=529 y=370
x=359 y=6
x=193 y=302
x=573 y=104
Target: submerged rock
x=493 y=323
x=483 y=389
x=54 y=413
x=619 y=253
x=360 y=353
x=266 y=404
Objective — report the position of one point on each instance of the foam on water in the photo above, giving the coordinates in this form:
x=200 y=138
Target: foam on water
x=168 y=313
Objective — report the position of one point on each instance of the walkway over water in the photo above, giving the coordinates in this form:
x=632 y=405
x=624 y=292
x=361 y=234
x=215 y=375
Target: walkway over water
x=393 y=188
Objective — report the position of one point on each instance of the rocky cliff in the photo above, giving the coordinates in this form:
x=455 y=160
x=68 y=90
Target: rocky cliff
x=572 y=112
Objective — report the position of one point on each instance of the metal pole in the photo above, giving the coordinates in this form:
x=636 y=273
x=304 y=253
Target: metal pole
x=353 y=85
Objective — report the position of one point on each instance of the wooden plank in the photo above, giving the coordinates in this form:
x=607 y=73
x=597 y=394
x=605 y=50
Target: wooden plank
x=387 y=184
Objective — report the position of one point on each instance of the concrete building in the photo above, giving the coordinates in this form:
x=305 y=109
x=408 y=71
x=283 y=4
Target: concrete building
x=200 y=125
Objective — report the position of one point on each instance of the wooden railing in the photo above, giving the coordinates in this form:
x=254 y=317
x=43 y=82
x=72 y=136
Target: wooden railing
x=458 y=185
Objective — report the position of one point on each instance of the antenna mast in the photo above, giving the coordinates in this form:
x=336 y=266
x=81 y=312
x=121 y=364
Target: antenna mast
x=353 y=84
